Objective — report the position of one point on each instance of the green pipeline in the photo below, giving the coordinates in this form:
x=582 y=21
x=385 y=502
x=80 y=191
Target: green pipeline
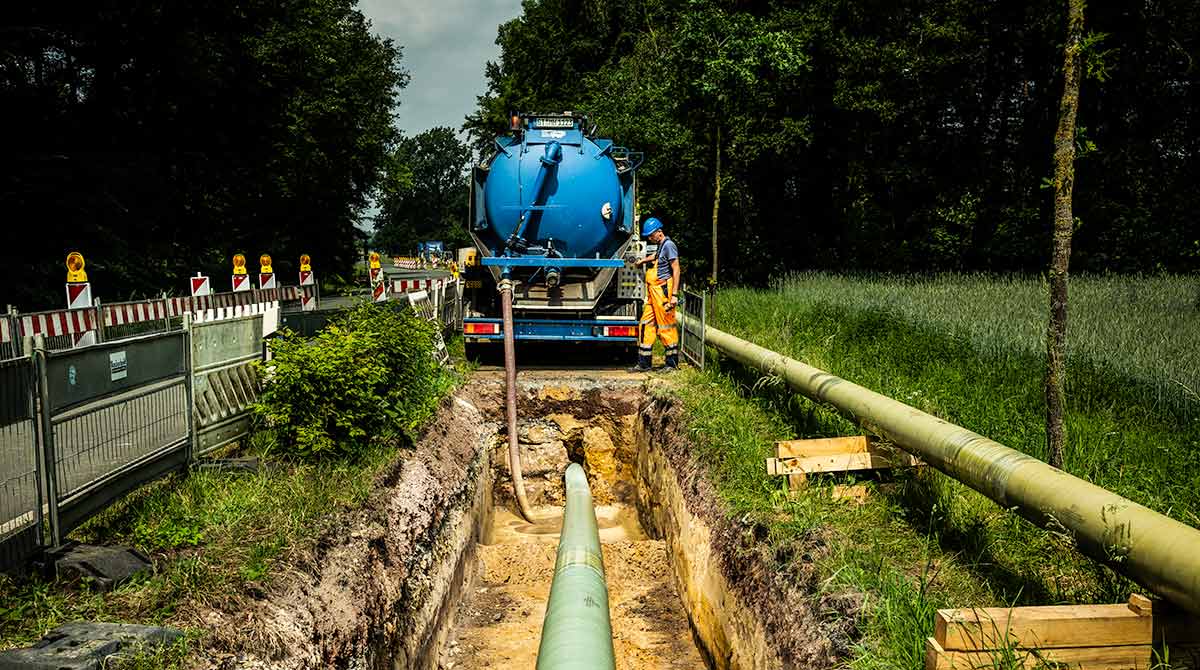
x=576 y=633
x=1157 y=552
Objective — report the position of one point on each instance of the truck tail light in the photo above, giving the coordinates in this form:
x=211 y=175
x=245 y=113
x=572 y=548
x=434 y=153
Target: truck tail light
x=481 y=328
x=620 y=331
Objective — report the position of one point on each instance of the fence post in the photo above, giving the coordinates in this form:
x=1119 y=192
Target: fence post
x=48 y=454
x=14 y=331
x=166 y=311
x=99 y=314
x=190 y=386
x=34 y=435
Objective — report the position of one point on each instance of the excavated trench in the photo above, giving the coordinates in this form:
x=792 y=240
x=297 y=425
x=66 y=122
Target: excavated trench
x=499 y=622
x=439 y=571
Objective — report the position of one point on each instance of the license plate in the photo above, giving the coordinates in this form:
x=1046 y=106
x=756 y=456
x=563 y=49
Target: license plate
x=556 y=122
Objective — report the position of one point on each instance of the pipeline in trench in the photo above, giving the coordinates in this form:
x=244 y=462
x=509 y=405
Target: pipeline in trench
x=500 y=618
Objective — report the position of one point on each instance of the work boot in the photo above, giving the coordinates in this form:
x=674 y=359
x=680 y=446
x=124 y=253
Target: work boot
x=638 y=369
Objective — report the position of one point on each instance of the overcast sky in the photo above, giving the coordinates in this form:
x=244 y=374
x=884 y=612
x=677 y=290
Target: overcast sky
x=446 y=45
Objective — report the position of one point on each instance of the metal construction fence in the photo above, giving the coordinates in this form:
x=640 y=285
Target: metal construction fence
x=83 y=425
x=691 y=332
x=67 y=329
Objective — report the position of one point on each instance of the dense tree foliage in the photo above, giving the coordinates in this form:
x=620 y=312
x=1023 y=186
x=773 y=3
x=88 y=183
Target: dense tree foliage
x=159 y=138
x=424 y=193
x=911 y=135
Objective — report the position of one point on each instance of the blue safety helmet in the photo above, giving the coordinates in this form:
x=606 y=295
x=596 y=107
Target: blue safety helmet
x=650 y=225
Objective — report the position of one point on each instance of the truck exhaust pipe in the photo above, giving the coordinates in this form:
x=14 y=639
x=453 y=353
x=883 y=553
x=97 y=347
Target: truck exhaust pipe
x=577 y=632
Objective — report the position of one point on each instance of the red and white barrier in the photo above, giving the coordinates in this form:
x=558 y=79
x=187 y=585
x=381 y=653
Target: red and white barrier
x=408 y=285
x=134 y=312
x=214 y=306
x=67 y=322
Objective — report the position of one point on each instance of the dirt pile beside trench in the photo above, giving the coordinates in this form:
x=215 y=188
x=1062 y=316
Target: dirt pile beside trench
x=348 y=599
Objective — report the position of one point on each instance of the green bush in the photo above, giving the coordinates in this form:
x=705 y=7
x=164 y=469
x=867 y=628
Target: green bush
x=368 y=377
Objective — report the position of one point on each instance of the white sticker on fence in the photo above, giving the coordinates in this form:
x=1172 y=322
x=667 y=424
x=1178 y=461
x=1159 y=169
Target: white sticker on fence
x=117 y=365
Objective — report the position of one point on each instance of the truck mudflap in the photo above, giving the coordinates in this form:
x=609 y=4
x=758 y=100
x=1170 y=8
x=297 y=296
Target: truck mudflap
x=562 y=330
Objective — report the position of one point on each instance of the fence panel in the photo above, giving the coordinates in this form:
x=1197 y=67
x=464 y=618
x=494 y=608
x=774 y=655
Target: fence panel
x=20 y=481
x=123 y=320
x=691 y=340
x=116 y=417
x=224 y=381
x=11 y=342
x=423 y=307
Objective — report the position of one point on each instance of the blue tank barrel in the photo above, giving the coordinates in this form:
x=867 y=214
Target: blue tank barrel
x=552 y=191
x=550 y=160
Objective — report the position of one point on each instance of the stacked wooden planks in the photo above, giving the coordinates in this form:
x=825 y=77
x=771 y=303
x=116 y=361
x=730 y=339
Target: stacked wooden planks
x=1080 y=637
x=796 y=459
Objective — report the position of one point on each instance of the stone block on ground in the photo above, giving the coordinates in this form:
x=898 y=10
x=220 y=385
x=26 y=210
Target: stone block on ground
x=83 y=645
x=106 y=567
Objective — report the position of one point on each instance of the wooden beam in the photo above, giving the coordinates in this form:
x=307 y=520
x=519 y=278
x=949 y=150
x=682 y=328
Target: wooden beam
x=837 y=463
x=1055 y=626
x=1061 y=626
x=828 y=446
x=1127 y=657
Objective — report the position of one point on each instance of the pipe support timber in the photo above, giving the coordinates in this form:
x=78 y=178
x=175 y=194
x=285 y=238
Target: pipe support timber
x=1158 y=552
x=577 y=632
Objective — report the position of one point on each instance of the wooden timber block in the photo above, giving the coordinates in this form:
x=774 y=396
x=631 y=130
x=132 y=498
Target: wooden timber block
x=837 y=463
x=988 y=628
x=827 y=446
x=1085 y=637
x=1129 y=657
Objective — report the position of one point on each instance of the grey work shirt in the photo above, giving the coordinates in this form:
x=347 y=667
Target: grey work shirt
x=667 y=252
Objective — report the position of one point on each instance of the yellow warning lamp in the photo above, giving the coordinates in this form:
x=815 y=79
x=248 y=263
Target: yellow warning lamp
x=374 y=260
x=305 y=263
x=239 y=264
x=75 y=273
x=265 y=261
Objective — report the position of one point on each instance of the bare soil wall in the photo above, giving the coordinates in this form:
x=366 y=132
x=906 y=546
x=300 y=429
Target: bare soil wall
x=745 y=614
x=378 y=590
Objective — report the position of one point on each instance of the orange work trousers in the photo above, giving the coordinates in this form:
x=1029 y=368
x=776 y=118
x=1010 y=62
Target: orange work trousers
x=658 y=321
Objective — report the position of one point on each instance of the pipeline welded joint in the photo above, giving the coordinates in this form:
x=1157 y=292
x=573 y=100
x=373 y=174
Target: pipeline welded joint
x=577 y=632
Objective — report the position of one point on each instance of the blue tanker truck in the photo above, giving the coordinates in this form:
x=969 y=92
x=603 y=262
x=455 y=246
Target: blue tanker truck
x=552 y=216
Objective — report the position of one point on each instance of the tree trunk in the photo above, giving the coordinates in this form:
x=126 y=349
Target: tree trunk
x=716 y=209
x=1064 y=222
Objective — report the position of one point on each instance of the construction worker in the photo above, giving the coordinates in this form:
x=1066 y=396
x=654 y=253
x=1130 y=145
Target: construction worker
x=662 y=288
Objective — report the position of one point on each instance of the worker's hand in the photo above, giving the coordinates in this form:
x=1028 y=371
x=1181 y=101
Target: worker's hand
x=674 y=300
x=647 y=260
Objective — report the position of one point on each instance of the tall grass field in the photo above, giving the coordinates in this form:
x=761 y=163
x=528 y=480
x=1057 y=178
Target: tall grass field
x=969 y=349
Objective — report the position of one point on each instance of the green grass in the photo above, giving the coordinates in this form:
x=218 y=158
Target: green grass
x=216 y=539
x=955 y=347
x=949 y=346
